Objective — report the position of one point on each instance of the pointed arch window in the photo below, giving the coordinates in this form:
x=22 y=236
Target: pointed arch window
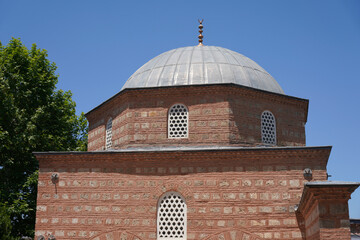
x=171 y=217
x=108 y=135
x=268 y=128
x=178 y=121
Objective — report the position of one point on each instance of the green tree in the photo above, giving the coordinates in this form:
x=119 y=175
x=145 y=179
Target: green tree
x=5 y=224
x=34 y=116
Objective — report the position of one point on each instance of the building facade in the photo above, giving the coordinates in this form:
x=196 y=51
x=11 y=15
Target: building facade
x=200 y=143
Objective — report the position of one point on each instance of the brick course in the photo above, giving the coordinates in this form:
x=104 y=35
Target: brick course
x=250 y=193
x=235 y=186
x=323 y=211
x=223 y=114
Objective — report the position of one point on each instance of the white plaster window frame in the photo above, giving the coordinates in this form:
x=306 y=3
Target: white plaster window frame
x=268 y=133
x=177 y=210
x=108 y=134
x=178 y=128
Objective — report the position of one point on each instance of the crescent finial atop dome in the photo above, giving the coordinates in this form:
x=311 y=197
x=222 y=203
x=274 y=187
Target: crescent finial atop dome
x=200 y=31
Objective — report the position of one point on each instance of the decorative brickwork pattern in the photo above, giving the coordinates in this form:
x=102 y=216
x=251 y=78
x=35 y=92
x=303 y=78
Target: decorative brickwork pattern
x=234 y=234
x=101 y=193
x=117 y=234
x=221 y=115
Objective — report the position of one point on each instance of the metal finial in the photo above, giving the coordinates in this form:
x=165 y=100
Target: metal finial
x=200 y=31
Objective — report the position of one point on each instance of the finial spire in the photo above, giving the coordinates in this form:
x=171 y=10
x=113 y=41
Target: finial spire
x=200 y=31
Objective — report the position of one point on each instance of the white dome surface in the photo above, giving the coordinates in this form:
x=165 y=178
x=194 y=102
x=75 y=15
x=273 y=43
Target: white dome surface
x=202 y=65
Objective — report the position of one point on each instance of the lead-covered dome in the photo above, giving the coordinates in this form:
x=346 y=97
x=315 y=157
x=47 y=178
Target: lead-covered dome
x=202 y=65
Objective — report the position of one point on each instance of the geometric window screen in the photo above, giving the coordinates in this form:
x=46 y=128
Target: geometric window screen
x=178 y=121
x=108 y=136
x=268 y=128
x=171 y=217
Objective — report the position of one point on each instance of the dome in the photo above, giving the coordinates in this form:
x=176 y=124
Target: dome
x=202 y=65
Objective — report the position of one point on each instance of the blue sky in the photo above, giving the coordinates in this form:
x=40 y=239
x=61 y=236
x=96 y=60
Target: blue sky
x=312 y=48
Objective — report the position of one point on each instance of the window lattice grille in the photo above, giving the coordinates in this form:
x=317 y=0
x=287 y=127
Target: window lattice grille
x=268 y=128
x=178 y=121
x=171 y=217
x=108 y=140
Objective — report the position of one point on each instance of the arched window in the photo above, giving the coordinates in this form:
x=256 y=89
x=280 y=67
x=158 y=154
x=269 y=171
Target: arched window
x=268 y=128
x=108 y=136
x=178 y=121
x=171 y=217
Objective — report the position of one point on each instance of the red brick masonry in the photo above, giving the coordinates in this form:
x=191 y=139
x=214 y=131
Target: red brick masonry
x=222 y=114
x=323 y=210
x=235 y=193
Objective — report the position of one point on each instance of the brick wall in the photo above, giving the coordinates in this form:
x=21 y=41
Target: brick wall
x=250 y=194
x=218 y=115
x=324 y=209
x=312 y=227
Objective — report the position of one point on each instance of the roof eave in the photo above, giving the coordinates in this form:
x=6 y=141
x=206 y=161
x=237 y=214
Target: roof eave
x=187 y=86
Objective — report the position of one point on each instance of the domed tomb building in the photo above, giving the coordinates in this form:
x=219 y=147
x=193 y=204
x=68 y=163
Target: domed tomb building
x=200 y=143
x=199 y=96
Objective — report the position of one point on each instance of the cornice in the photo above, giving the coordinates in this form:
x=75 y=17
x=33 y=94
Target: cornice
x=254 y=93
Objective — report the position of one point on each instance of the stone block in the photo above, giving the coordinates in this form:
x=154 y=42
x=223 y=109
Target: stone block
x=257 y=222
x=252 y=209
x=71 y=233
x=228 y=210
x=224 y=183
x=265 y=209
x=274 y=222
x=269 y=183
x=289 y=221
x=264 y=196
x=253 y=195
x=294 y=183
x=59 y=233
x=259 y=182
x=275 y=196
x=268 y=235
x=246 y=183
x=221 y=223
x=229 y=196
x=338 y=208
x=242 y=195
x=327 y=223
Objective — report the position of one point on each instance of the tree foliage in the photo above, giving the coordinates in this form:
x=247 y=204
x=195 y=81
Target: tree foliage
x=34 y=116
